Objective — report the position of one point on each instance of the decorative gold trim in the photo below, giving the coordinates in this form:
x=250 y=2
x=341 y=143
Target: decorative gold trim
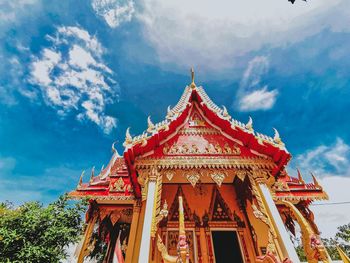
x=193 y=177
x=296 y=199
x=103 y=197
x=118 y=186
x=185 y=162
x=218 y=177
x=261 y=212
x=199 y=131
x=156 y=205
x=169 y=175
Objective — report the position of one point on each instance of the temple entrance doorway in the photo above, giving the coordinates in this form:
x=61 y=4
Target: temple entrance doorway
x=226 y=247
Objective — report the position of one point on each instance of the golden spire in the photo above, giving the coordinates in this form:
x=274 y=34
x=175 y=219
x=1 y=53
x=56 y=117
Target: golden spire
x=316 y=183
x=81 y=178
x=300 y=177
x=92 y=174
x=193 y=85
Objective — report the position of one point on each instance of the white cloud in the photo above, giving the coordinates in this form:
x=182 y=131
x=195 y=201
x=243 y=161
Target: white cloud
x=214 y=34
x=114 y=12
x=250 y=95
x=72 y=76
x=325 y=158
x=12 y=76
x=79 y=57
x=9 y=10
x=261 y=99
x=330 y=163
x=41 y=68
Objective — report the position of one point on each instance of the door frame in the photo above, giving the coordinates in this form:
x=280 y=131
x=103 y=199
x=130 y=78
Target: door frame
x=227 y=230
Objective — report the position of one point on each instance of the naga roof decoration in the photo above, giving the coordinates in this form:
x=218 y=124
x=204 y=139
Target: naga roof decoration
x=217 y=141
x=295 y=189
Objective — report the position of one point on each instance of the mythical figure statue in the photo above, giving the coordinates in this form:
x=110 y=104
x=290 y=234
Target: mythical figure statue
x=182 y=245
x=314 y=249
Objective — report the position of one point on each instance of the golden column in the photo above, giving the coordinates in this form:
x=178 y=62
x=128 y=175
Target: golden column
x=133 y=231
x=84 y=250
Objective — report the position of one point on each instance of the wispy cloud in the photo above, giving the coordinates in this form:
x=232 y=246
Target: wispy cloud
x=325 y=160
x=252 y=95
x=186 y=32
x=114 y=12
x=9 y=10
x=73 y=77
x=331 y=164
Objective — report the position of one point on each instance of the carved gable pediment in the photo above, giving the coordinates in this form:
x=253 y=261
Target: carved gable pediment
x=174 y=209
x=219 y=210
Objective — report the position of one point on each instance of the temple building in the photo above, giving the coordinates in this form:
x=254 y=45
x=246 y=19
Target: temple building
x=199 y=187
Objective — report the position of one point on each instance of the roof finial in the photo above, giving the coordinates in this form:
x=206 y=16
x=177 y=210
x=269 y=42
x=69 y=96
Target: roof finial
x=128 y=138
x=81 y=178
x=316 y=183
x=92 y=174
x=276 y=138
x=300 y=177
x=151 y=126
x=249 y=124
x=193 y=85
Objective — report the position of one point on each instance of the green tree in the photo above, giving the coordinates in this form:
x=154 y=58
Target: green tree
x=341 y=239
x=34 y=233
x=344 y=233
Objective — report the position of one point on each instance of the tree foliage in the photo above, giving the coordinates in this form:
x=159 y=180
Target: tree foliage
x=34 y=233
x=341 y=239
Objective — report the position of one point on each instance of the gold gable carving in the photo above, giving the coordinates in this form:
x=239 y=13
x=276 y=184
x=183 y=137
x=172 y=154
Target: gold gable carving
x=174 y=209
x=193 y=149
x=219 y=210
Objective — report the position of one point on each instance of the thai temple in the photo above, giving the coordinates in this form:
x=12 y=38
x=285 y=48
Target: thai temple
x=199 y=187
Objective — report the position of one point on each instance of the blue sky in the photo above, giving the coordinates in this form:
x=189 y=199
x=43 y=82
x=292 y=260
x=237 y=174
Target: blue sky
x=75 y=74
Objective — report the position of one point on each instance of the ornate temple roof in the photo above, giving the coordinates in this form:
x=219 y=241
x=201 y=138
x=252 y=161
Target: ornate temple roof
x=296 y=189
x=220 y=116
x=112 y=183
x=241 y=147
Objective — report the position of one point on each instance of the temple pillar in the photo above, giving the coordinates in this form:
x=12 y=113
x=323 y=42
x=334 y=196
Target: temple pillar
x=84 y=250
x=133 y=231
x=283 y=237
x=147 y=222
x=137 y=244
